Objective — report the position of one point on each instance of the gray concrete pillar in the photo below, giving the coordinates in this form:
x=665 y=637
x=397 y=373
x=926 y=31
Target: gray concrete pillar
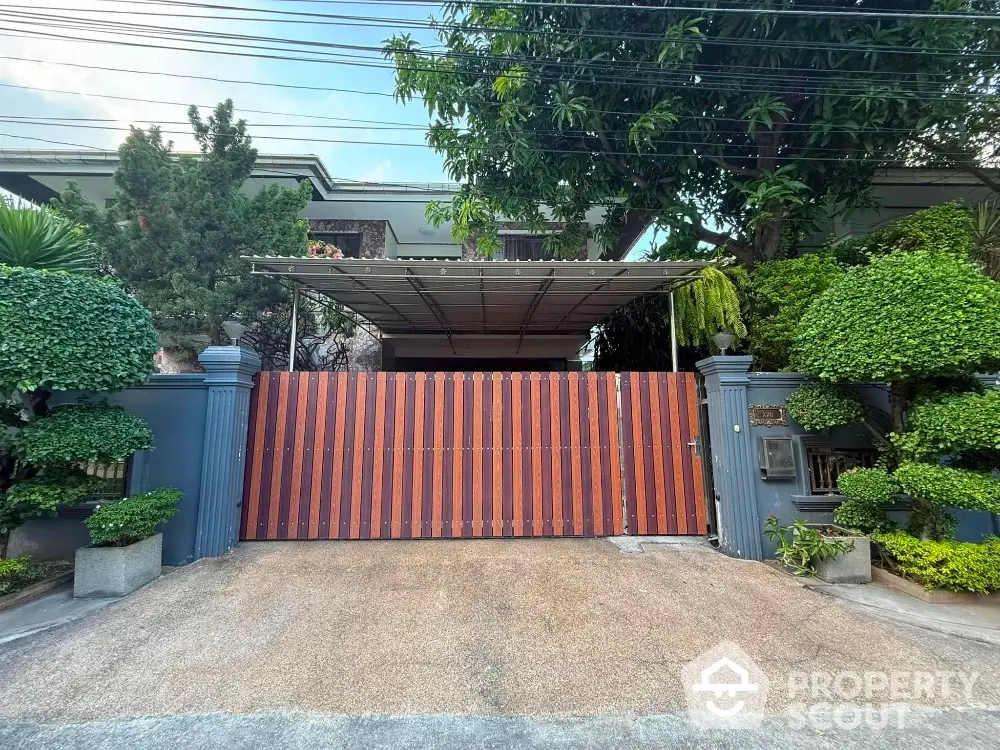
x=734 y=464
x=229 y=372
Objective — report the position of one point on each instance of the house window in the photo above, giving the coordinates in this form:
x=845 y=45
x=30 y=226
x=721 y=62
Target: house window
x=524 y=247
x=348 y=242
x=826 y=465
x=114 y=476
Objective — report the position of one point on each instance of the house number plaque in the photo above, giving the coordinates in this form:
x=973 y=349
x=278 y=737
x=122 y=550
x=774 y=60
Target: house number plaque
x=768 y=415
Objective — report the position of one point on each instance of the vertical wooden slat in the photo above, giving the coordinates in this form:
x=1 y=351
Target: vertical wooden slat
x=309 y=456
x=458 y=446
x=615 y=456
x=699 y=474
x=511 y=496
x=667 y=453
x=417 y=522
x=279 y=455
x=299 y=438
x=378 y=456
x=437 y=485
x=316 y=488
x=659 y=485
x=396 y=491
x=537 y=528
x=496 y=420
x=558 y=513
x=260 y=396
x=676 y=446
x=596 y=475
x=576 y=486
x=477 y=454
x=517 y=454
x=339 y=441
x=636 y=402
x=687 y=453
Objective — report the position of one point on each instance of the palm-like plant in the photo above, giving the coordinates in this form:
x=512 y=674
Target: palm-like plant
x=42 y=239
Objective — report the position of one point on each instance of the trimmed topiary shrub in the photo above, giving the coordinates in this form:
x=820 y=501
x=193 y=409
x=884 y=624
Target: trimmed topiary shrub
x=955 y=424
x=906 y=316
x=66 y=331
x=860 y=516
x=954 y=488
x=949 y=565
x=127 y=521
x=943 y=229
x=82 y=433
x=777 y=297
x=819 y=406
x=870 y=486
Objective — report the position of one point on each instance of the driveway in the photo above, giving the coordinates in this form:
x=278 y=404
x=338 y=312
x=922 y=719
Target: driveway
x=565 y=642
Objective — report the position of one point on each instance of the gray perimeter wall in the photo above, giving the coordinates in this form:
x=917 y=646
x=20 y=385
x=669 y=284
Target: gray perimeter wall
x=174 y=407
x=790 y=499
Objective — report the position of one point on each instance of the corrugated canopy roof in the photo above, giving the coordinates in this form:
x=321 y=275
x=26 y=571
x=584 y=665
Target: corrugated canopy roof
x=480 y=296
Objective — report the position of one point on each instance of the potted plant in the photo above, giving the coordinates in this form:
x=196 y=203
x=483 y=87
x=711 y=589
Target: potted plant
x=831 y=553
x=125 y=551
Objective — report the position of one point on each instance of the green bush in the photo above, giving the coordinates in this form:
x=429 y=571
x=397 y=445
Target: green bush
x=943 y=229
x=949 y=487
x=777 y=296
x=103 y=433
x=907 y=315
x=43 y=495
x=66 y=331
x=132 y=519
x=861 y=516
x=949 y=565
x=819 y=406
x=869 y=486
x=15 y=574
x=967 y=422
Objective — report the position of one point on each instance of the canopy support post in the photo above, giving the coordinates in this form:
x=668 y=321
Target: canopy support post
x=295 y=328
x=673 y=332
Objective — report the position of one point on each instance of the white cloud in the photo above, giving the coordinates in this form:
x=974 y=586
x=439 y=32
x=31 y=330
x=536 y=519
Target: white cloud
x=94 y=86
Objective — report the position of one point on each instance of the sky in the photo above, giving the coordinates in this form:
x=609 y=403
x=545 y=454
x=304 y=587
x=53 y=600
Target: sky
x=31 y=83
x=48 y=71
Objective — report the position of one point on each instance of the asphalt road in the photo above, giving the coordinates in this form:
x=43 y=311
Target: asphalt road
x=527 y=643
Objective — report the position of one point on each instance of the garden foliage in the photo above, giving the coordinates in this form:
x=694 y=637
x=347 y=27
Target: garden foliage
x=819 y=406
x=945 y=564
x=123 y=522
x=84 y=433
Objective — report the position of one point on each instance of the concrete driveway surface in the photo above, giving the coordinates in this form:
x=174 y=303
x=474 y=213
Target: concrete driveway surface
x=547 y=643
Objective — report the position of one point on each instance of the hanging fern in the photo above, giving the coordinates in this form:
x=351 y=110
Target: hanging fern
x=709 y=305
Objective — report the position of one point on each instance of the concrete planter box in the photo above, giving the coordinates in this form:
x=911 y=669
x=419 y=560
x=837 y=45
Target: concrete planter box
x=917 y=591
x=117 y=571
x=854 y=566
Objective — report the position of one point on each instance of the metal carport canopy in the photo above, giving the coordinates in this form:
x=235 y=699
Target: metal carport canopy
x=480 y=296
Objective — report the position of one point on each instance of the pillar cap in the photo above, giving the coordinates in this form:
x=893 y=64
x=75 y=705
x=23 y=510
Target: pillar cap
x=730 y=365
x=229 y=365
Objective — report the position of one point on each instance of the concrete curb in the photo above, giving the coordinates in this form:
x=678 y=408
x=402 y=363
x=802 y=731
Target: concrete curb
x=35 y=590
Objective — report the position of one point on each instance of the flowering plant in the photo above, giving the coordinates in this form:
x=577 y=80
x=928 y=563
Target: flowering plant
x=325 y=250
x=131 y=519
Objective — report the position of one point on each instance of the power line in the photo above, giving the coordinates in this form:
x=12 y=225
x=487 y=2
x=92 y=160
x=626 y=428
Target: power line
x=847 y=13
x=652 y=67
x=695 y=85
x=383 y=22
x=576 y=152
x=45 y=120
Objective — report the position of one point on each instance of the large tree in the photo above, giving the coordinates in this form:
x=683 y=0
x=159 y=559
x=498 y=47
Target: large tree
x=179 y=224
x=734 y=122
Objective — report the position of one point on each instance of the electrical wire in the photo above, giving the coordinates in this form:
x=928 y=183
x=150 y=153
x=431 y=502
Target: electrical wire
x=847 y=13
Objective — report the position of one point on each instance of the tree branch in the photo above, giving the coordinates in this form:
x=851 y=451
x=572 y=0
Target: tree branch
x=742 y=171
x=741 y=250
x=966 y=164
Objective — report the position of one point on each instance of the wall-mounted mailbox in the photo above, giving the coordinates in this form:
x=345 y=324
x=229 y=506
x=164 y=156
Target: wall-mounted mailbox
x=776 y=459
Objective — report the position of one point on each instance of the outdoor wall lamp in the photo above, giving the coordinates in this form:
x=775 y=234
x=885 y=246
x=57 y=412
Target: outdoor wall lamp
x=234 y=330
x=723 y=340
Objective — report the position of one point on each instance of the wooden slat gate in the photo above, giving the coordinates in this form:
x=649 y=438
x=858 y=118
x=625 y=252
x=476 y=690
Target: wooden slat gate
x=432 y=455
